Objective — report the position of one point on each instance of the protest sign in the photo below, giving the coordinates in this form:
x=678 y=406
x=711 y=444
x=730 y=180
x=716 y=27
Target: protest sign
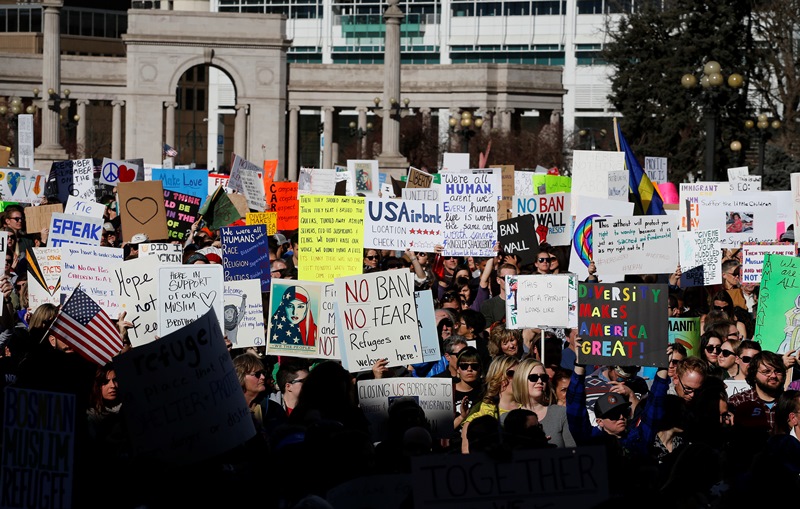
x=523 y=183
x=686 y=332
x=784 y=208
x=317 y=181
x=282 y=199
x=738 y=172
x=253 y=189
x=778 y=314
x=22 y=186
x=186 y=293
x=421 y=194
x=92 y=268
x=270 y=219
x=418 y=179
x=5 y=156
x=243 y=313
x=44 y=276
x=582 y=238
x=294 y=309
x=239 y=165
x=25 y=139
x=753 y=258
x=397 y=225
x=557 y=184
x=330 y=237
x=700 y=257
x=542 y=300
x=656 y=169
x=365 y=176
x=142 y=210
x=84 y=208
x=429 y=336
x=590 y=173
x=192 y=370
x=327 y=335
x=166 y=253
x=507 y=175
x=72 y=229
x=222 y=209
x=38 y=449
x=245 y=253
x=528 y=479
x=190 y=182
x=113 y=172
x=137 y=293
x=635 y=244
x=618 y=182
x=434 y=395
x=378 y=320
x=795 y=198
x=622 y=324
x=740 y=218
x=551 y=216
x=182 y=211
x=215 y=180
x=470 y=214
x=734 y=387
x=72 y=178
x=38 y=218
x=270 y=167
x=689 y=196
x=454 y=161
x=387 y=491
x=745 y=184
x=517 y=237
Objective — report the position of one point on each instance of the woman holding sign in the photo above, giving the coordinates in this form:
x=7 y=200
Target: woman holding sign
x=293 y=323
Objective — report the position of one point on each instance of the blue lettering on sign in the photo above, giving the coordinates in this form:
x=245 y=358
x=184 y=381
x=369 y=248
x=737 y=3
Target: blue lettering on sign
x=76 y=229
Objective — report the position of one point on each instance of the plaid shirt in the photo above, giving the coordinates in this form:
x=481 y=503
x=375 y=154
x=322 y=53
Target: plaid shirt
x=758 y=414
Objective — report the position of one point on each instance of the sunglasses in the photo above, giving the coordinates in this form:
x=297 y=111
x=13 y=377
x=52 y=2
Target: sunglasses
x=746 y=359
x=464 y=366
x=371 y=257
x=686 y=390
x=450 y=258
x=727 y=353
x=721 y=308
x=675 y=362
x=544 y=260
x=297 y=381
x=15 y=218
x=510 y=373
x=535 y=377
x=421 y=254
x=735 y=273
x=713 y=349
x=258 y=374
x=617 y=414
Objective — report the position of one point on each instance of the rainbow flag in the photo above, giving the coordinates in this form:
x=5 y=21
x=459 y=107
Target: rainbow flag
x=643 y=193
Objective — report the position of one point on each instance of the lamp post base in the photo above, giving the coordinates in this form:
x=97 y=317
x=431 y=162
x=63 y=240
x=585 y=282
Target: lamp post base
x=395 y=165
x=45 y=156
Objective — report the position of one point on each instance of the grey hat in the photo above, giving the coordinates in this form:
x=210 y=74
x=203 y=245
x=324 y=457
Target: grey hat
x=608 y=402
x=109 y=227
x=280 y=238
x=139 y=238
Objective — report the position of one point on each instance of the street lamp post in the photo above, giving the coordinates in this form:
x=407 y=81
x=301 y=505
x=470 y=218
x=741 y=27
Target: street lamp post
x=710 y=81
x=590 y=131
x=764 y=133
x=463 y=127
x=359 y=132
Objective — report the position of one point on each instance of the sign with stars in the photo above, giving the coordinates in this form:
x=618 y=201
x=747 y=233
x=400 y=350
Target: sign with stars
x=396 y=225
x=294 y=312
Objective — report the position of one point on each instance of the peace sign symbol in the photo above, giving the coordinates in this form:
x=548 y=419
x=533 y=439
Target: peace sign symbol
x=110 y=172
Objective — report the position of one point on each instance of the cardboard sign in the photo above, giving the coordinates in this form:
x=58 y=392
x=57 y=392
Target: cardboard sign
x=113 y=172
x=142 y=210
x=544 y=300
x=753 y=258
x=243 y=315
x=656 y=169
x=165 y=253
x=635 y=244
x=38 y=218
x=84 y=208
x=182 y=211
x=186 y=293
x=470 y=214
x=778 y=304
x=245 y=253
x=700 y=257
x=583 y=238
x=518 y=237
x=137 y=290
x=72 y=229
x=22 y=186
x=194 y=371
x=378 y=319
x=282 y=199
x=92 y=268
x=39 y=448
x=294 y=310
x=270 y=219
x=330 y=237
x=397 y=225
x=740 y=218
x=551 y=217
x=686 y=331
x=434 y=395
x=72 y=178
x=189 y=182
x=622 y=324
x=418 y=179
x=44 y=276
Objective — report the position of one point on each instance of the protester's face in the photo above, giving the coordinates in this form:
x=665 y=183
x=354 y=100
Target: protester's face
x=712 y=349
x=677 y=357
x=727 y=357
x=296 y=386
x=450 y=263
x=109 y=390
x=296 y=310
x=256 y=382
x=371 y=259
x=688 y=385
x=744 y=359
x=510 y=346
x=501 y=278
x=452 y=358
x=60 y=345
x=468 y=371
x=14 y=220
x=544 y=263
x=464 y=292
x=733 y=333
x=462 y=329
x=768 y=378
x=748 y=288
x=561 y=391
x=538 y=388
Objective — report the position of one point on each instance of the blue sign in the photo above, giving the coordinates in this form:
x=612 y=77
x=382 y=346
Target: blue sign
x=245 y=253
x=191 y=182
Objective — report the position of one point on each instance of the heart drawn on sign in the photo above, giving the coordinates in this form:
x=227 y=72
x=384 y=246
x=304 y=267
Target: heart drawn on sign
x=208 y=298
x=141 y=209
x=126 y=174
x=13 y=181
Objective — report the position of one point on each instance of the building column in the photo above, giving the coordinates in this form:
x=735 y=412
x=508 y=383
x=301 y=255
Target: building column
x=488 y=121
x=294 y=131
x=240 y=131
x=170 y=127
x=390 y=157
x=327 y=132
x=505 y=120
x=116 y=129
x=80 y=139
x=362 y=129
x=50 y=148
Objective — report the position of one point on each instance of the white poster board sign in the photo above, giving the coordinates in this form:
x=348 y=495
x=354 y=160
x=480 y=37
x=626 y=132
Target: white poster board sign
x=635 y=244
x=25 y=143
x=581 y=254
x=113 y=171
x=327 y=335
x=137 y=292
x=166 y=253
x=84 y=208
x=455 y=161
x=253 y=189
x=543 y=301
x=44 y=276
x=691 y=193
x=795 y=182
x=397 y=225
x=187 y=292
x=753 y=258
x=470 y=214
x=618 y=185
x=22 y=186
x=243 y=313
x=378 y=319
x=740 y=218
x=656 y=169
x=738 y=172
x=549 y=210
x=66 y=229
x=700 y=257
x=523 y=183
x=746 y=184
x=590 y=173
x=92 y=268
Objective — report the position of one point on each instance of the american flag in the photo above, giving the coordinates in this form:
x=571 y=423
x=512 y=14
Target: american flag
x=84 y=326
x=171 y=152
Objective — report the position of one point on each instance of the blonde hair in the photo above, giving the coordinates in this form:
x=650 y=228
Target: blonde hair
x=519 y=384
x=495 y=376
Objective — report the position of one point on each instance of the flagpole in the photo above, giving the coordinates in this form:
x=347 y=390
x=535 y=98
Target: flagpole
x=616 y=134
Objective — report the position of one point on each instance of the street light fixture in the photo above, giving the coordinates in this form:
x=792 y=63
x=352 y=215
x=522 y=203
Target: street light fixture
x=590 y=131
x=396 y=110
x=765 y=129
x=711 y=81
x=361 y=133
x=463 y=127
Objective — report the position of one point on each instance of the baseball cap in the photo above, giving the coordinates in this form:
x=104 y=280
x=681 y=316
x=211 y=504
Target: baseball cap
x=139 y=238
x=109 y=227
x=280 y=238
x=608 y=402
